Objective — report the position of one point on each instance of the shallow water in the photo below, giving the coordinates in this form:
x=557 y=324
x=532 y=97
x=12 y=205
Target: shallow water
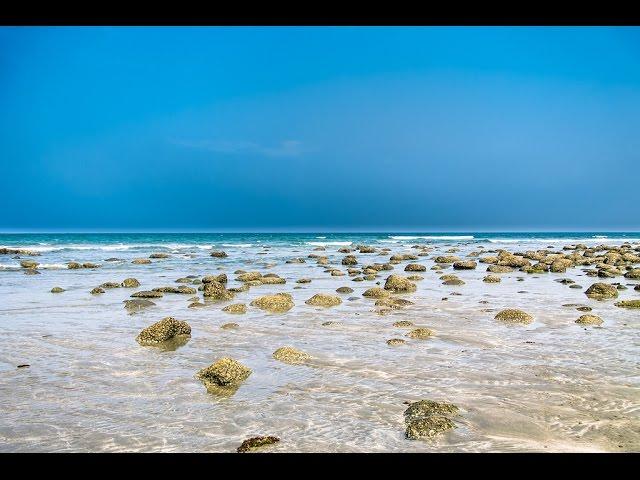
x=548 y=386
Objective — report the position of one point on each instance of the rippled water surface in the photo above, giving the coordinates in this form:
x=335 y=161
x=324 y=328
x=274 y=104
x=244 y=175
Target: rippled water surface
x=548 y=386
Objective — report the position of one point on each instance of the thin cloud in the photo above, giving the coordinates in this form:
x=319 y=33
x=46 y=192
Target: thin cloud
x=286 y=148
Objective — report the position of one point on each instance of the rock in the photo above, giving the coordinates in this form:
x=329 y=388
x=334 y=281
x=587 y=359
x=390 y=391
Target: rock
x=303 y=280
x=403 y=324
x=584 y=309
x=141 y=261
x=29 y=264
x=601 y=291
x=366 y=249
x=147 y=294
x=350 y=260
x=396 y=283
x=138 y=304
x=499 y=269
x=290 y=355
x=238 y=308
x=376 y=292
x=453 y=281
x=589 y=320
x=162 y=331
x=415 y=267
x=296 y=260
x=110 y=285
x=222 y=278
x=90 y=265
x=426 y=419
x=226 y=372
x=159 y=255
x=74 y=265
x=420 y=333
x=280 y=302
x=491 y=279
x=57 y=290
x=249 y=276
x=513 y=315
x=446 y=259
x=216 y=291
x=628 y=304
x=633 y=274
x=219 y=254
x=466 y=265
x=97 y=291
x=183 y=289
x=272 y=280
x=230 y=326
x=344 y=290
x=256 y=442
x=130 y=283
x=324 y=300
x=393 y=342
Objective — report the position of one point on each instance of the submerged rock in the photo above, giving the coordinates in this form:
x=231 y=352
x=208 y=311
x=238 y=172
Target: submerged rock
x=141 y=261
x=601 y=291
x=237 y=308
x=256 y=442
x=499 y=269
x=162 y=331
x=324 y=300
x=344 y=290
x=159 y=255
x=393 y=303
x=303 y=280
x=29 y=264
x=110 y=285
x=138 y=304
x=280 y=302
x=226 y=372
x=290 y=355
x=394 y=342
x=589 y=320
x=57 y=290
x=491 y=279
x=230 y=326
x=97 y=291
x=512 y=315
x=403 y=324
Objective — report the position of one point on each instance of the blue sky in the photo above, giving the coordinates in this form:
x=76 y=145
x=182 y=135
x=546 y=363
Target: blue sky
x=376 y=128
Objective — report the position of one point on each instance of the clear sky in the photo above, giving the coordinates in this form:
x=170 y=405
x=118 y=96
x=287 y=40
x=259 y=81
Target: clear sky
x=320 y=128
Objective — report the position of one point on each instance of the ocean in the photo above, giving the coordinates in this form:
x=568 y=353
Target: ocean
x=551 y=385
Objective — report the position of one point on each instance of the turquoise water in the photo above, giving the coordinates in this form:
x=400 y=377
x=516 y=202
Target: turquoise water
x=547 y=386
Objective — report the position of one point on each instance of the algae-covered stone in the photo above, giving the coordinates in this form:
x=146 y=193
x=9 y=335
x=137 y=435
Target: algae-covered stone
x=465 y=265
x=403 y=324
x=290 y=355
x=137 y=304
x=272 y=280
x=97 y=291
x=499 y=269
x=74 y=265
x=303 y=280
x=221 y=278
x=426 y=419
x=280 y=302
x=225 y=372
x=415 y=267
x=420 y=333
x=453 y=281
x=376 y=292
x=216 y=291
x=219 y=254
x=159 y=255
x=57 y=290
x=237 y=308
x=147 y=294
x=182 y=289
x=344 y=290
x=249 y=276
x=396 y=283
x=628 y=304
x=589 y=320
x=446 y=259
x=130 y=283
x=141 y=261
x=394 y=342
x=512 y=315
x=601 y=291
x=230 y=326
x=110 y=285
x=393 y=303
x=324 y=300
x=162 y=331
x=257 y=442
x=491 y=279
x=350 y=260
x=28 y=264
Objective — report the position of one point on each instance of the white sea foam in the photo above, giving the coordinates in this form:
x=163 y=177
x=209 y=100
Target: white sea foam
x=238 y=245
x=432 y=237
x=595 y=239
x=324 y=244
